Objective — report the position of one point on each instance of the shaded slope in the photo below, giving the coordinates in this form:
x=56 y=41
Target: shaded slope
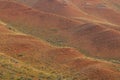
x=28 y=2
x=95 y=10
x=114 y=4
x=54 y=6
x=64 y=62
x=84 y=36
x=64 y=8
x=59 y=7
x=31 y=51
x=99 y=8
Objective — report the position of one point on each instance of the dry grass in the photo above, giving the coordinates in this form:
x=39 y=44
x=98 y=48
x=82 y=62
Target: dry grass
x=60 y=31
x=52 y=62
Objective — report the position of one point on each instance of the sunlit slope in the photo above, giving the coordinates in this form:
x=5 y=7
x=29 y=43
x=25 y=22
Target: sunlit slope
x=63 y=8
x=12 y=69
x=62 y=63
x=91 y=39
x=59 y=7
x=95 y=10
x=28 y=2
x=40 y=60
x=99 y=8
x=55 y=6
x=114 y=4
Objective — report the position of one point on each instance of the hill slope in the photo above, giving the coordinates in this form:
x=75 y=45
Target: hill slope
x=59 y=7
x=99 y=8
x=84 y=36
x=43 y=61
x=95 y=10
x=39 y=56
x=12 y=69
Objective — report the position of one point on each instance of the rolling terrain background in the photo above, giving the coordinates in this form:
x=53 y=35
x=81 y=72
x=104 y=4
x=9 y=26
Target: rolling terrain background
x=82 y=47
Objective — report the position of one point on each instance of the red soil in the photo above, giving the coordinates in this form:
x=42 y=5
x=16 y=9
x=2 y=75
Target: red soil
x=59 y=7
x=38 y=53
x=93 y=38
x=63 y=55
x=96 y=40
x=99 y=9
x=102 y=73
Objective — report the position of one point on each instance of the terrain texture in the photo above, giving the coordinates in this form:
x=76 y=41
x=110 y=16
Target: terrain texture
x=59 y=39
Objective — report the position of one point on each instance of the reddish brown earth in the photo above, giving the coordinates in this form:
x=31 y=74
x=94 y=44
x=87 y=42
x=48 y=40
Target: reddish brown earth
x=40 y=55
x=25 y=33
x=87 y=9
x=59 y=7
x=99 y=8
x=94 y=10
x=113 y=4
x=92 y=39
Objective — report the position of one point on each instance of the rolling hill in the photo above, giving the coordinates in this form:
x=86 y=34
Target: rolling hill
x=100 y=8
x=12 y=69
x=31 y=58
x=95 y=10
x=51 y=28
x=59 y=7
x=37 y=45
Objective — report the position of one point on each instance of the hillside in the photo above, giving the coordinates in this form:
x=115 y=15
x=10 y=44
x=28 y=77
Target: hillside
x=31 y=58
x=95 y=10
x=59 y=7
x=113 y=4
x=12 y=69
x=100 y=8
x=37 y=45
x=52 y=27
x=27 y=2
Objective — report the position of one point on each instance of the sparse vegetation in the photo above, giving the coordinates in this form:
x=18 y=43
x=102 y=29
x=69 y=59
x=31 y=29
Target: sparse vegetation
x=25 y=34
x=20 y=71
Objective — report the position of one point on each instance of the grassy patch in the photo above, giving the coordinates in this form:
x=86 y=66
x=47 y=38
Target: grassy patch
x=12 y=69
